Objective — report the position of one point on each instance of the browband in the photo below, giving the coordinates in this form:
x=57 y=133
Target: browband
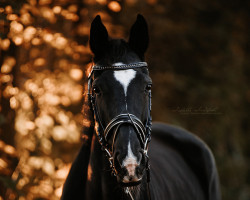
x=118 y=67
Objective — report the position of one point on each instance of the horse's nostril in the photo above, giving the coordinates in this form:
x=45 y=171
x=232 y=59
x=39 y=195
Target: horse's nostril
x=118 y=162
x=117 y=158
x=141 y=154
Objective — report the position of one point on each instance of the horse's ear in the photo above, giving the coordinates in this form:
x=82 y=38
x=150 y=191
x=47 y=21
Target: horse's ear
x=138 y=39
x=98 y=36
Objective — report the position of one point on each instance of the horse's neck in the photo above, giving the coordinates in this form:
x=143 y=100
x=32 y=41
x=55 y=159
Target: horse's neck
x=100 y=183
x=98 y=176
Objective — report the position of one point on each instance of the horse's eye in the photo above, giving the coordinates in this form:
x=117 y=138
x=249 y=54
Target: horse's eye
x=148 y=87
x=96 y=90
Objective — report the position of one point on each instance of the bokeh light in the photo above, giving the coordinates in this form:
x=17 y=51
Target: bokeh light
x=114 y=6
x=51 y=74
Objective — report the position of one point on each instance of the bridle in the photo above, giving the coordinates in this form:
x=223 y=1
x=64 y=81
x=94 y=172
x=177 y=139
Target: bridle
x=104 y=133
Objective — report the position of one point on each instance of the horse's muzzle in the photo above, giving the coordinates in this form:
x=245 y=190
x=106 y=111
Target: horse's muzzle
x=130 y=172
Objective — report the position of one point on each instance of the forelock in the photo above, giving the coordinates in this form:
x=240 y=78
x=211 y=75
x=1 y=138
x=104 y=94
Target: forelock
x=118 y=51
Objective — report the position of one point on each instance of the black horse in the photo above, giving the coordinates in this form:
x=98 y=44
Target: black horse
x=115 y=162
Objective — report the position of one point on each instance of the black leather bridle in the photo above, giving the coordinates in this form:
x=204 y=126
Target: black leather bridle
x=104 y=133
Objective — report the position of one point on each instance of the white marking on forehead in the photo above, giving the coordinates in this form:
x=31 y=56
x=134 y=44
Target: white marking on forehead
x=124 y=77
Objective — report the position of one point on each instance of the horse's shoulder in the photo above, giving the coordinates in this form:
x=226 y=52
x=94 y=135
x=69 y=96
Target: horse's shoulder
x=174 y=135
x=194 y=151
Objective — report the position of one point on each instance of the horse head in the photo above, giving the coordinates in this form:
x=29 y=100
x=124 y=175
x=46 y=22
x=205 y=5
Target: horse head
x=120 y=91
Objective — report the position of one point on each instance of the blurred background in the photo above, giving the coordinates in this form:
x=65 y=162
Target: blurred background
x=199 y=58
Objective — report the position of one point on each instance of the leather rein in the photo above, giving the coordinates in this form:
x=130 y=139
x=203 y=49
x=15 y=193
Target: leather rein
x=104 y=133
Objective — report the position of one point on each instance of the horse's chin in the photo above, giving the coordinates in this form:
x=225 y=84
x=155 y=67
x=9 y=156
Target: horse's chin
x=124 y=182
x=130 y=184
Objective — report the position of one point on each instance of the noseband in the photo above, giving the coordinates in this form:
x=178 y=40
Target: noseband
x=104 y=133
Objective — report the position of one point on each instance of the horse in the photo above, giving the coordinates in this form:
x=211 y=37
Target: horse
x=119 y=160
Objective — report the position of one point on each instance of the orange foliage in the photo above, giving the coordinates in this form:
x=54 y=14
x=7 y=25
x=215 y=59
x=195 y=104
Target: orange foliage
x=51 y=67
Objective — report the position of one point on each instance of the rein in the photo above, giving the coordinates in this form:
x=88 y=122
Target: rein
x=104 y=133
